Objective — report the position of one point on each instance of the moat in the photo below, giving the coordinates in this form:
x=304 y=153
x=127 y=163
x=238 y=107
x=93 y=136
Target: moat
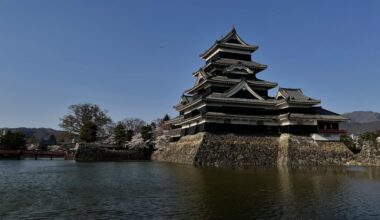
x=64 y=189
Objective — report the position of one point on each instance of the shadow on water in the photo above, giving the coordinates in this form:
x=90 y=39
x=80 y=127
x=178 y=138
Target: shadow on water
x=287 y=193
x=62 y=189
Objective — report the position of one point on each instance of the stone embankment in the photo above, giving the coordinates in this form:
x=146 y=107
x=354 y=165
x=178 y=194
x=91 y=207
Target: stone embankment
x=236 y=151
x=304 y=151
x=93 y=153
x=183 y=151
x=369 y=154
x=229 y=150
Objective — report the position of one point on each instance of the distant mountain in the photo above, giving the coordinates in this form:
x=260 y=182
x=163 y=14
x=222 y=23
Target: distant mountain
x=363 y=116
x=362 y=121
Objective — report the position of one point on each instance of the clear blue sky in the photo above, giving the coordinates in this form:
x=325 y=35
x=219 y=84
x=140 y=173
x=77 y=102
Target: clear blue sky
x=135 y=58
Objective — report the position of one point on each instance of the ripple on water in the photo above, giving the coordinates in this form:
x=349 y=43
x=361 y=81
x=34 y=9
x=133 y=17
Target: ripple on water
x=47 y=189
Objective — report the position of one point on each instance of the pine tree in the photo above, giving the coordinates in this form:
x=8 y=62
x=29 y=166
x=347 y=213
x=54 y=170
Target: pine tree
x=88 y=132
x=146 y=132
x=129 y=135
x=13 y=141
x=120 y=134
x=166 y=118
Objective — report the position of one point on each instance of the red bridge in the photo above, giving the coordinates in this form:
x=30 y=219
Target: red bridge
x=67 y=155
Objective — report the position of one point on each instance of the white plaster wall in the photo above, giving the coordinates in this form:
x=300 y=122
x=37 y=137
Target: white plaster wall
x=326 y=137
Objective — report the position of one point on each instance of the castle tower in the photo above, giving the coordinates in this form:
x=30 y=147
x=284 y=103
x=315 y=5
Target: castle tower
x=228 y=96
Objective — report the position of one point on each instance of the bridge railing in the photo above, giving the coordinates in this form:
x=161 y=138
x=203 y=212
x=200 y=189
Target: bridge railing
x=37 y=153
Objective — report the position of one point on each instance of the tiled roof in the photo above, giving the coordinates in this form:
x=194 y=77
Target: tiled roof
x=221 y=98
x=231 y=40
x=186 y=98
x=175 y=120
x=229 y=62
x=318 y=117
x=230 y=81
x=295 y=95
x=257 y=82
x=322 y=111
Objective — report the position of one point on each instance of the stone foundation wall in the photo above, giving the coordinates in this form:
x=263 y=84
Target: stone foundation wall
x=183 y=151
x=304 y=151
x=237 y=151
x=229 y=150
x=369 y=155
x=215 y=150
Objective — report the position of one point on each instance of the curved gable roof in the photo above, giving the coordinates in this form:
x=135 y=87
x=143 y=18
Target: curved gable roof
x=243 y=85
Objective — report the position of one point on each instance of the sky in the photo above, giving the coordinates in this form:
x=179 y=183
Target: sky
x=135 y=58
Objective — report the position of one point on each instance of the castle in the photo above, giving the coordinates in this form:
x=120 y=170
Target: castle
x=228 y=97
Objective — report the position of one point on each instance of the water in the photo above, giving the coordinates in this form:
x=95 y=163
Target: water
x=67 y=190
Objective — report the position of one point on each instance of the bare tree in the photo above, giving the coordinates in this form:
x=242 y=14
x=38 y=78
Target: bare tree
x=81 y=113
x=158 y=128
x=160 y=125
x=107 y=130
x=133 y=124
